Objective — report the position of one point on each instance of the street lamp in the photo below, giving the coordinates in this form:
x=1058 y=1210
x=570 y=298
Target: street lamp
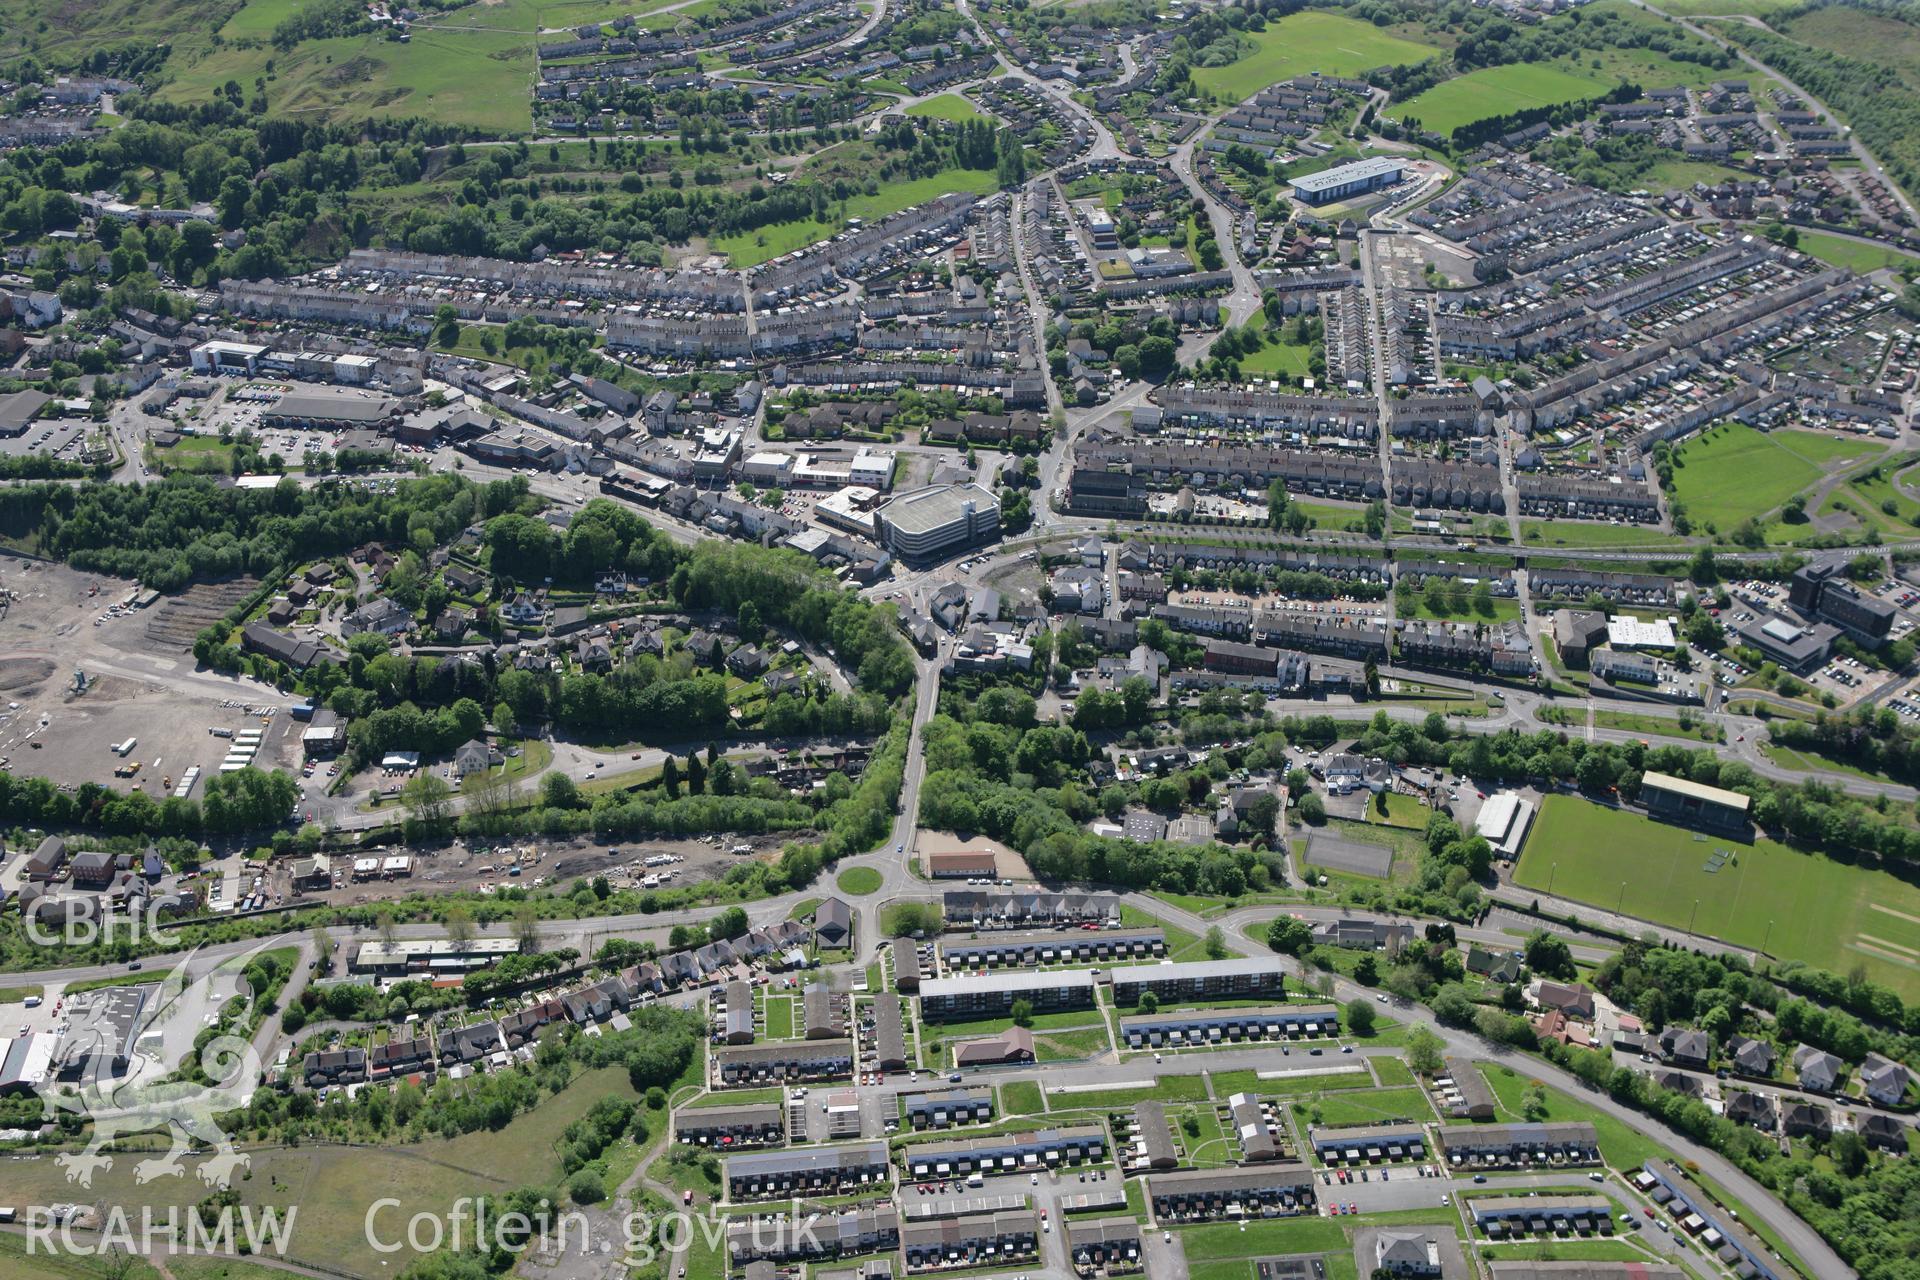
x=1692 y=914
x=1551 y=872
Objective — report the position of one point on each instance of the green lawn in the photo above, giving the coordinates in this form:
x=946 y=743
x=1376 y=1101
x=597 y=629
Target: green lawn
x=1390 y=1071
x=751 y=248
x=1190 y=1088
x=1500 y=609
x=1800 y=758
x=1634 y=722
x=1231 y=1082
x=1733 y=473
x=1824 y=912
x=1021 y=1098
x=1499 y=91
x=779 y=1017
x=1279 y=359
x=1303 y=43
x=1565 y=1251
x=1854 y=255
x=1584 y=533
x=1369 y=1106
x=1293 y=1235
x=859 y=881
x=1682 y=174
x=948 y=106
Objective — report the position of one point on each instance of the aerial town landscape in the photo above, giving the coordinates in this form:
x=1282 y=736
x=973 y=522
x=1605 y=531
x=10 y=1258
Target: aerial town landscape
x=1020 y=639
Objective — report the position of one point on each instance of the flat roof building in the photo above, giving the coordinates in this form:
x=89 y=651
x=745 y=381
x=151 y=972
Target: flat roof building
x=1200 y=980
x=1214 y=1026
x=962 y=999
x=1346 y=180
x=1008 y=1153
x=1503 y=820
x=1030 y=949
x=924 y=524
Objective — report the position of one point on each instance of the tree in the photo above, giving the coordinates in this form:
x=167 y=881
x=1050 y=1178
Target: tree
x=1360 y=1017
x=670 y=778
x=696 y=774
x=559 y=791
x=1216 y=944
x=1533 y=1102
x=1023 y=1013
x=1366 y=971
x=526 y=927
x=1549 y=955
x=428 y=801
x=1311 y=809
x=1289 y=936
x=1423 y=1051
x=459 y=922
x=1148 y=1003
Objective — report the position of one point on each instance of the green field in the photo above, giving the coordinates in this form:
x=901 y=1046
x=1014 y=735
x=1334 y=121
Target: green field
x=1498 y=91
x=1278 y=359
x=259 y=17
x=751 y=248
x=478 y=78
x=1303 y=43
x=334 y=1187
x=1796 y=905
x=1733 y=473
x=948 y=106
x=1854 y=255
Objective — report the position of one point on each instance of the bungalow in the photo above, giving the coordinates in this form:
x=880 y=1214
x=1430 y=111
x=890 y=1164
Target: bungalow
x=1495 y=966
x=1575 y=1000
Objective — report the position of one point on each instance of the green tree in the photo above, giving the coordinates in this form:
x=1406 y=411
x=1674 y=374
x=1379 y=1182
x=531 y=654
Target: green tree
x=1424 y=1050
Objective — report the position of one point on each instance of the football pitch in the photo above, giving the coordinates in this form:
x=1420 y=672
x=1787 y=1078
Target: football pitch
x=1794 y=905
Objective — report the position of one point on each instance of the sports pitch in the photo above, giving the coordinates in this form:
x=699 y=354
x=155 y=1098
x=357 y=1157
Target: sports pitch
x=1796 y=905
